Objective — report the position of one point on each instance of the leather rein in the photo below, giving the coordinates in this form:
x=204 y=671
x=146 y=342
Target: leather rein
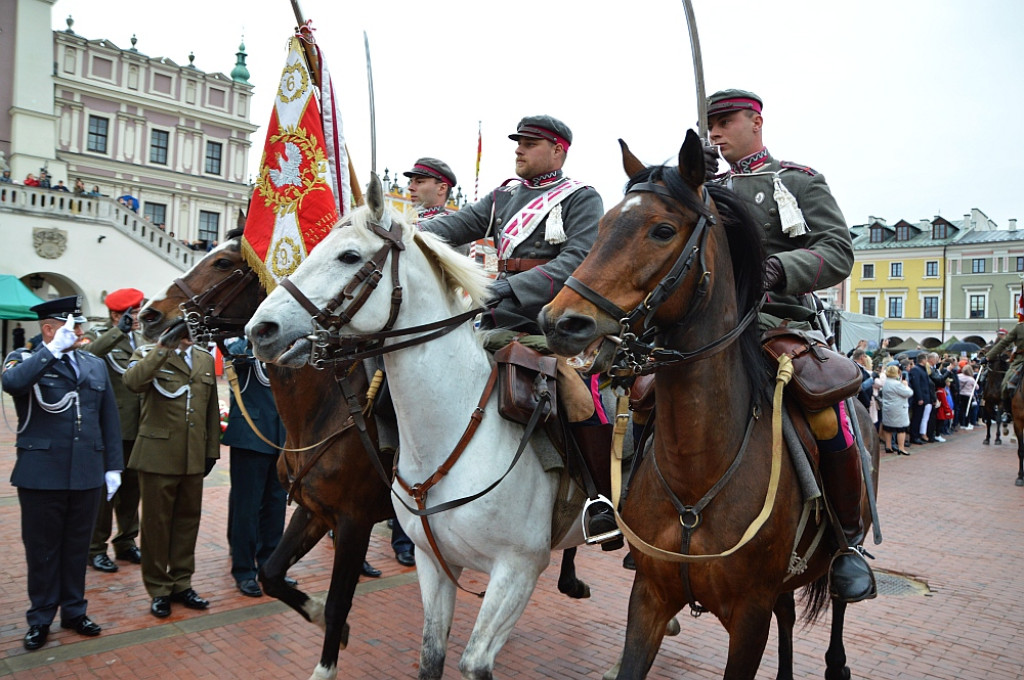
x=203 y=311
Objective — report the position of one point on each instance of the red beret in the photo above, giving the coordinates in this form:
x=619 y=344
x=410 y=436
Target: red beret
x=123 y=298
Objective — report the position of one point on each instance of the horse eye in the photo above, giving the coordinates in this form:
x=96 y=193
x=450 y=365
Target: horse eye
x=223 y=263
x=350 y=257
x=663 y=232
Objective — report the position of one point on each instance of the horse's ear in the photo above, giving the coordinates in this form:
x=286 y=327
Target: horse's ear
x=375 y=196
x=691 y=160
x=630 y=163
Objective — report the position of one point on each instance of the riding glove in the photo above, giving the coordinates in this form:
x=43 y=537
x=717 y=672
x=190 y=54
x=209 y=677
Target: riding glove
x=173 y=335
x=710 y=162
x=774 y=275
x=125 y=323
x=499 y=290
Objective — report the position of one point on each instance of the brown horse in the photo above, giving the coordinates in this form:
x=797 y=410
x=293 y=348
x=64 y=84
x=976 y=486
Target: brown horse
x=992 y=398
x=690 y=268
x=335 y=485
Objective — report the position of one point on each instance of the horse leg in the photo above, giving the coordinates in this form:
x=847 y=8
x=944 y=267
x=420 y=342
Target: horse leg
x=568 y=584
x=748 y=624
x=835 y=655
x=988 y=431
x=785 y=617
x=304 y=530
x=350 y=540
x=1020 y=460
x=511 y=583
x=646 y=623
x=437 y=592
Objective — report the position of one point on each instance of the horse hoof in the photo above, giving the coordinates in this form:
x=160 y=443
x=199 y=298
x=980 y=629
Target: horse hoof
x=1019 y=482
x=672 y=629
x=577 y=591
x=612 y=672
x=986 y=442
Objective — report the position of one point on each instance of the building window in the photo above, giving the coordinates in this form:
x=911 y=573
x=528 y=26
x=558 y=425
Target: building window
x=209 y=226
x=931 y=307
x=978 y=265
x=903 y=233
x=867 y=306
x=155 y=213
x=895 y=308
x=939 y=231
x=1020 y=264
x=213 y=151
x=977 y=306
x=97 y=134
x=868 y=271
x=931 y=268
x=158 y=147
x=896 y=270
x=877 y=235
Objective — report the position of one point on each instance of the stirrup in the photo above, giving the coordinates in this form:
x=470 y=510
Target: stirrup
x=584 y=521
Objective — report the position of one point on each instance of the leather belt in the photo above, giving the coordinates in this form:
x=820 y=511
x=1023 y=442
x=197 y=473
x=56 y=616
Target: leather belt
x=516 y=265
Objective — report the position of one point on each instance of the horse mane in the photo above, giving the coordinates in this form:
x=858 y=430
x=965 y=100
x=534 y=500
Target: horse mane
x=458 y=273
x=746 y=249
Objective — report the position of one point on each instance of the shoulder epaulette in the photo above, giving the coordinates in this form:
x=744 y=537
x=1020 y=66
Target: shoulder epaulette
x=789 y=165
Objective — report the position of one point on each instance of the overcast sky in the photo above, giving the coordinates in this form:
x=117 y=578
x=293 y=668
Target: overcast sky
x=904 y=105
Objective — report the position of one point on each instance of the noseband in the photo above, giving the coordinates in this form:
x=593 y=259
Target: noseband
x=638 y=354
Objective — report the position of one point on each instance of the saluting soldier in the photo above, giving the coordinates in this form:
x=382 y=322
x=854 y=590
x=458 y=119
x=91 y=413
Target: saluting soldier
x=809 y=248
x=68 y=449
x=115 y=346
x=543 y=225
x=178 y=444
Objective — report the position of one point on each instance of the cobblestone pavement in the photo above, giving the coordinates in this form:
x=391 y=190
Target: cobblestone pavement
x=952 y=605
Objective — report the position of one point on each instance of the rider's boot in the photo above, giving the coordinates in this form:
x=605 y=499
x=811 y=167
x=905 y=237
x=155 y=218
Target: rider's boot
x=595 y=443
x=850 y=577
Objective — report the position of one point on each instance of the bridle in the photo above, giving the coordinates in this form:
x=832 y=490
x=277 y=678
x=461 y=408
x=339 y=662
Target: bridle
x=638 y=354
x=329 y=345
x=202 y=312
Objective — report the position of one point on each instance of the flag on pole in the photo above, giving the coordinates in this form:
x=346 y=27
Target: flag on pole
x=302 y=188
x=479 y=152
x=1020 y=304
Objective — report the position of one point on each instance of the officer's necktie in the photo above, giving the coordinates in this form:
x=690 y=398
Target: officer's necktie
x=70 y=364
x=183 y=353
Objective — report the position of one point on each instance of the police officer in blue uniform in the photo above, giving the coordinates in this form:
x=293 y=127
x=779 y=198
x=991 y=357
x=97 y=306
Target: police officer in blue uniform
x=68 y=455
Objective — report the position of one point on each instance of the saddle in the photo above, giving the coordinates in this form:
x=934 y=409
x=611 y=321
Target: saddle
x=821 y=376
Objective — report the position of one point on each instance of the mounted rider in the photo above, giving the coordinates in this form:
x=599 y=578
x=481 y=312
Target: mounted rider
x=543 y=224
x=809 y=248
x=1011 y=381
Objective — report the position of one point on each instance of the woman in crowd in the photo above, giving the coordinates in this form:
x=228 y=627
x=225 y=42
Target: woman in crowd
x=895 y=410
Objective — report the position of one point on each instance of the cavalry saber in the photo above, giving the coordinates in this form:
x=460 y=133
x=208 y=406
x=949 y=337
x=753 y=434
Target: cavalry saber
x=373 y=110
x=698 y=71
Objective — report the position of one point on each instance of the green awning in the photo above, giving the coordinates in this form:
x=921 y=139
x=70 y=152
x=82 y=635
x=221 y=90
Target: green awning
x=16 y=300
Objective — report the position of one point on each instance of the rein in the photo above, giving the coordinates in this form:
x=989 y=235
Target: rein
x=203 y=309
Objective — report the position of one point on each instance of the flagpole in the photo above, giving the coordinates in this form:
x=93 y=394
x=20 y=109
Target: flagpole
x=479 y=151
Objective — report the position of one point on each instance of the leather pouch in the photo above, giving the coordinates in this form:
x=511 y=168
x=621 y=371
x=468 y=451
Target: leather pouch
x=524 y=375
x=821 y=376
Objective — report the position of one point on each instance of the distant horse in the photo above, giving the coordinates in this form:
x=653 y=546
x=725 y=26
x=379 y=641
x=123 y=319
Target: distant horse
x=992 y=398
x=438 y=389
x=688 y=261
x=334 y=484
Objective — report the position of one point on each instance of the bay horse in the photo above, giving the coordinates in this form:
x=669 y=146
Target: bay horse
x=334 y=485
x=436 y=387
x=688 y=261
x=992 y=398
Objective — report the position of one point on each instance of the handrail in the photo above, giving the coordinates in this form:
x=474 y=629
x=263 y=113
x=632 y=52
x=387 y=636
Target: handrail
x=102 y=209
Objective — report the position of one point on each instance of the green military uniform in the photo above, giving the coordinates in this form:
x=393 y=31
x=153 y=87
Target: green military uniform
x=1015 y=339
x=179 y=431
x=116 y=349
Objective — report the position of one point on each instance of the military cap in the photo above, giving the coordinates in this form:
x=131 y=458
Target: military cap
x=726 y=101
x=431 y=167
x=61 y=308
x=123 y=298
x=544 y=127
x=1001 y=331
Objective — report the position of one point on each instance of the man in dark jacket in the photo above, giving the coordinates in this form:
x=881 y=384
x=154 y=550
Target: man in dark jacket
x=68 y=451
x=921 y=402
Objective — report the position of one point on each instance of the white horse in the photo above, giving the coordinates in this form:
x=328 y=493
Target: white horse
x=435 y=387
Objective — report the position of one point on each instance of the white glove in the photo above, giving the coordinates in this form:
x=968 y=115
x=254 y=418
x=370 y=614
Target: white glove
x=113 y=480
x=64 y=339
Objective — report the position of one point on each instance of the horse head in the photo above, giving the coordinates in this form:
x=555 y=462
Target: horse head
x=355 y=282
x=652 y=267
x=216 y=296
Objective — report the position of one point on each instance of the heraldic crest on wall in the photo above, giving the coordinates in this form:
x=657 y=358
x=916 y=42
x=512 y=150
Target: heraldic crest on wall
x=49 y=243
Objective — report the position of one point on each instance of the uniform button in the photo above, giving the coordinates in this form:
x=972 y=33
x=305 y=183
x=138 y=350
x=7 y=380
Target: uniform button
x=191 y=424
x=536 y=244
x=498 y=220
x=767 y=225
x=773 y=211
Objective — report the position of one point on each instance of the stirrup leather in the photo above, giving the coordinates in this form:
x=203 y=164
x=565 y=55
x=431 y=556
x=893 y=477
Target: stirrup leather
x=584 y=520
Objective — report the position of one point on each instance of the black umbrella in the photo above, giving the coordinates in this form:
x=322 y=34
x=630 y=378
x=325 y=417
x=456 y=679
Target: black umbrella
x=958 y=347
x=911 y=353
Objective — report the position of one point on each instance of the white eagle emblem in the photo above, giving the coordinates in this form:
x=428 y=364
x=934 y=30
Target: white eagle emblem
x=287 y=172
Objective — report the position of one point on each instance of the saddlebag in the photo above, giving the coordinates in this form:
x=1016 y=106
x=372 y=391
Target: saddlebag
x=524 y=376
x=821 y=376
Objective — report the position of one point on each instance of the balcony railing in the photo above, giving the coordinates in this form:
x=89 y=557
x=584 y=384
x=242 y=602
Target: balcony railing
x=100 y=209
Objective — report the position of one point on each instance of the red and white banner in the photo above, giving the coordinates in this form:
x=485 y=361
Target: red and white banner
x=297 y=201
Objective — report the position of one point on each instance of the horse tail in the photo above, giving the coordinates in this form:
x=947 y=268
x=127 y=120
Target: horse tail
x=815 y=599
